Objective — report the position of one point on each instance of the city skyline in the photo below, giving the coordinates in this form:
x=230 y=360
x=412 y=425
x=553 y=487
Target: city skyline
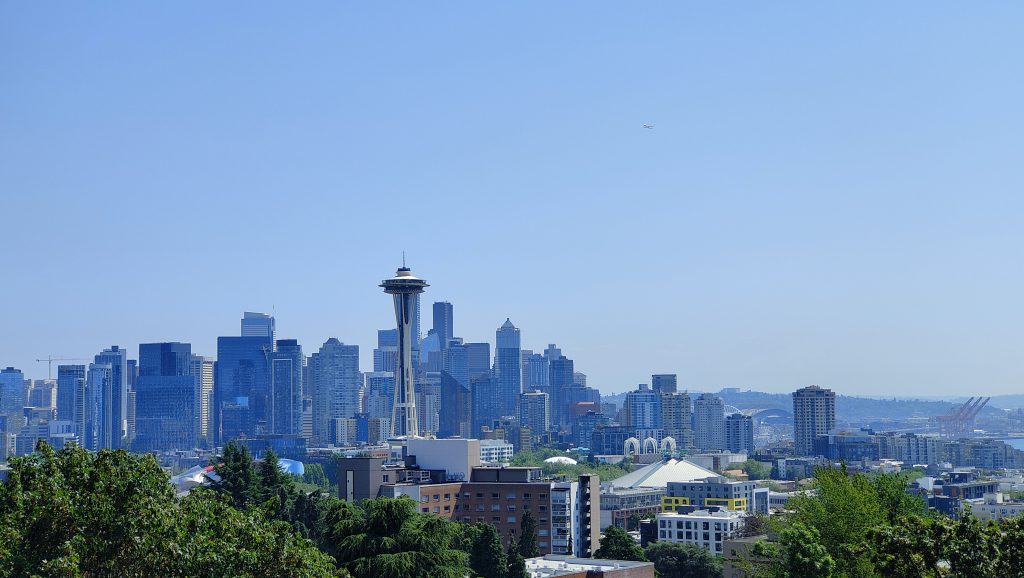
x=829 y=194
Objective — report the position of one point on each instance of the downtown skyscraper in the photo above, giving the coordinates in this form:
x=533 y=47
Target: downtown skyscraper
x=508 y=369
x=241 y=388
x=814 y=414
x=167 y=398
x=334 y=385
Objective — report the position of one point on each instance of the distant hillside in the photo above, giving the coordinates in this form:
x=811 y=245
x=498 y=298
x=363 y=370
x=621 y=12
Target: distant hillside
x=849 y=407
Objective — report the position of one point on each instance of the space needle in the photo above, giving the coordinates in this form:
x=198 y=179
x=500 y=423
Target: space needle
x=406 y=289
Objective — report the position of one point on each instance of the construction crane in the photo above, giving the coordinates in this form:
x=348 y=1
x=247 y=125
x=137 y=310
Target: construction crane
x=959 y=422
x=49 y=363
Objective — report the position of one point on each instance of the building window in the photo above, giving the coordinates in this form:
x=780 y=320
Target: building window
x=511 y=520
x=542 y=533
x=447 y=496
x=437 y=510
x=437 y=497
x=479 y=507
x=543 y=508
x=495 y=507
x=447 y=508
x=494 y=496
x=426 y=510
x=425 y=499
x=661 y=534
x=511 y=507
x=526 y=495
x=542 y=545
x=542 y=496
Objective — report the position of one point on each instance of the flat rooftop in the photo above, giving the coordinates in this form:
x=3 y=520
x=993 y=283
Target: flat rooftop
x=554 y=565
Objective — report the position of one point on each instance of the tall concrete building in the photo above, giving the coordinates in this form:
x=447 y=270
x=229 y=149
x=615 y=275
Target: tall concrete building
x=535 y=412
x=709 y=422
x=676 y=418
x=643 y=408
x=508 y=368
x=739 y=433
x=405 y=288
x=202 y=373
x=115 y=397
x=664 y=382
x=334 y=386
x=814 y=414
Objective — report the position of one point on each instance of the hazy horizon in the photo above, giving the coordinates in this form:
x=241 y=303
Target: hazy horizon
x=830 y=194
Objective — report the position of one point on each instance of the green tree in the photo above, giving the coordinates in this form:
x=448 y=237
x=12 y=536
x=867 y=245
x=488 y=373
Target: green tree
x=237 y=475
x=616 y=544
x=756 y=470
x=314 y=474
x=110 y=513
x=803 y=554
x=387 y=538
x=487 y=559
x=682 y=560
x=516 y=564
x=528 y=536
x=844 y=508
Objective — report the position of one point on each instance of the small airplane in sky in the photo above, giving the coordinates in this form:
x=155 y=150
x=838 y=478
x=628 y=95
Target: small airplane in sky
x=648 y=126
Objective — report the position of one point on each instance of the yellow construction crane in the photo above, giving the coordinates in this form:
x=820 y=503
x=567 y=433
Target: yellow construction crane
x=49 y=363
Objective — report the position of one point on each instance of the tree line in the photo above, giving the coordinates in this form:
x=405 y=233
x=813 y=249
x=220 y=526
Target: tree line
x=111 y=513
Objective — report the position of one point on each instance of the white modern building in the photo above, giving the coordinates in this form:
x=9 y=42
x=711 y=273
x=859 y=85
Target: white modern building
x=495 y=451
x=706 y=528
x=995 y=507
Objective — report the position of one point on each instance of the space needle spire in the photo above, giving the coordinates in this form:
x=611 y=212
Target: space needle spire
x=405 y=288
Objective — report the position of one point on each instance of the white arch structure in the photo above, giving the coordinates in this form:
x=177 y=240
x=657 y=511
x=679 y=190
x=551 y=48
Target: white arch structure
x=668 y=444
x=631 y=447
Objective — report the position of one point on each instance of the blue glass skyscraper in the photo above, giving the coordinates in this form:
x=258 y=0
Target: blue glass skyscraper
x=167 y=398
x=114 y=430
x=241 y=387
x=508 y=368
x=286 y=388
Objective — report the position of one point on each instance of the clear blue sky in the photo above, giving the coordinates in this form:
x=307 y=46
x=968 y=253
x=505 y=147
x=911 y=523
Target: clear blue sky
x=831 y=195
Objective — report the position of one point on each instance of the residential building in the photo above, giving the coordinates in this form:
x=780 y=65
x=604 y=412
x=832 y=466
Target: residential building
x=664 y=383
x=558 y=566
x=496 y=451
x=71 y=395
x=336 y=380
x=708 y=528
x=676 y=417
x=12 y=397
x=643 y=407
x=739 y=433
x=715 y=491
x=535 y=412
x=709 y=422
x=814 y=414
x=202 y=373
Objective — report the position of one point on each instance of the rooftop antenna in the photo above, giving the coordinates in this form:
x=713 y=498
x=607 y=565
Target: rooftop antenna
x=403 y=259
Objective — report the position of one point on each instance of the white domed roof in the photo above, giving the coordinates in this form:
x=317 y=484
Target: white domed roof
x=560 y=460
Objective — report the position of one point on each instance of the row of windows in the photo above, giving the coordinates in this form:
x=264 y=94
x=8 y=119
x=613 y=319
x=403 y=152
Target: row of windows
x=494 y=496
x=497 y=519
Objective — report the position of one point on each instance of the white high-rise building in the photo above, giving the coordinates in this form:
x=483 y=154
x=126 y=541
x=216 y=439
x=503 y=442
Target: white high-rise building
x=814 y=414
x=335 y=384
x=202 y=371
x=709 y=422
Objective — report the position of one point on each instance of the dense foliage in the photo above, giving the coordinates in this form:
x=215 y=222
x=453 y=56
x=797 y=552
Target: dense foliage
x=680 y=560
x=617 y=544
x=79 y=513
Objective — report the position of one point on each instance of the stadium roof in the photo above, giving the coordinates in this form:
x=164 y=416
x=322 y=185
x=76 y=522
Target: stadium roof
x=659 y=474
